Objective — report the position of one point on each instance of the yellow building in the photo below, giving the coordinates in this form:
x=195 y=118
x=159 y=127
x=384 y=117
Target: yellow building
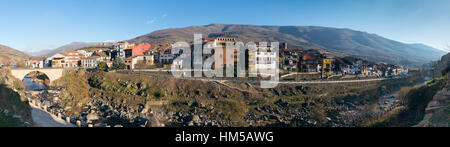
x=364 y=70
x=327 y=67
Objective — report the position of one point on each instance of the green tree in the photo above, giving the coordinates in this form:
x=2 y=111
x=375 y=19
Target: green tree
x=102 y=66
x=118 y=64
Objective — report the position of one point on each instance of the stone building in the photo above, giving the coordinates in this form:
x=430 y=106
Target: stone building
x=131 y=62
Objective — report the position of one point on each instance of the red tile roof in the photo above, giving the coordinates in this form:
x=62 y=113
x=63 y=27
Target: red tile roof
x=307 y=57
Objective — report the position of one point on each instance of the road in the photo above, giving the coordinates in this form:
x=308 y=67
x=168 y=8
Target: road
x=331 y=81
x=221 y=80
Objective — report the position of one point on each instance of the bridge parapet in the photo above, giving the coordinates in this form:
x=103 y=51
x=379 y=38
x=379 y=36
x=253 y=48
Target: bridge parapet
x=52 y=73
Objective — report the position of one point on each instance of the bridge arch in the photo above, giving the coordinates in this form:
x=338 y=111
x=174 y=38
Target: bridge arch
x=52 y=73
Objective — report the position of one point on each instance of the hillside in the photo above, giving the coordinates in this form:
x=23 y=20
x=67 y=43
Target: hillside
x=438 y=109
x=8 y=55
x=427 y=105
x=442 y=66
x=338 y=41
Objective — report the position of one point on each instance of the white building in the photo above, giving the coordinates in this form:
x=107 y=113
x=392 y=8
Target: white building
x=263 y=61
x=35 y=63
x=85 y=53
x=166 y=57
x=90 y=62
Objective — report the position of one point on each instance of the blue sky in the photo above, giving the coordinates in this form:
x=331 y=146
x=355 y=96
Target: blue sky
x=33 y=25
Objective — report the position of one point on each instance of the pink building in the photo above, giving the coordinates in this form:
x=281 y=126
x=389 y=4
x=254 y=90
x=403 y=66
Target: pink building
x=140 y=49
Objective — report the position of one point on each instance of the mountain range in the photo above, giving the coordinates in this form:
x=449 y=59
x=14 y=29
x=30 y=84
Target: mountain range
x=338 y=41
x=73 y=45
x=8 y=55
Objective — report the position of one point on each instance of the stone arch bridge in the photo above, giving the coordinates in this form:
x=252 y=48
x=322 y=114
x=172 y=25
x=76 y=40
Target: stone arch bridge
x=52 y=73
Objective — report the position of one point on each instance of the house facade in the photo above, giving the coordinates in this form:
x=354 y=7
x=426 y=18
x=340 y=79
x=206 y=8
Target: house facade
x=56 y=61
x=90 y=62
x=126 y=49
x=229 y=57
x=131 y=62
x=261 y=60
x=327 y=69
x=72 y=58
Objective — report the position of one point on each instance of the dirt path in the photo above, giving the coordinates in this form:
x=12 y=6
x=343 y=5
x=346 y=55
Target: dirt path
x=44 y=119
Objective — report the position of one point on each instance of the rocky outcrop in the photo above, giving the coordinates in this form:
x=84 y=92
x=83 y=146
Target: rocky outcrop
x=438 y=110
x=135 y=100
x=15 y=106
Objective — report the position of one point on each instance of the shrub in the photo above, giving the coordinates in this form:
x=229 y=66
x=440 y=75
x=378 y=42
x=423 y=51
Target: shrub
x=18 y=85
x=118 y=64
x=8 y=121
x=417 y=101
x=403 y=92
x=231 y=110
x=16 y=104
x=102 y=66
x=77 y=89
x=318 y=112
x=95 y=81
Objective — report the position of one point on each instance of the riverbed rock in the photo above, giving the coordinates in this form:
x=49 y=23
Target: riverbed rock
x=190 y=123
x=153 y=121
x=195 y=118
x=68 y=119
x=92 y=117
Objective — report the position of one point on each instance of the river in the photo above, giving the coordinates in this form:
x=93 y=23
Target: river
x=33 y=85
x=40 y=117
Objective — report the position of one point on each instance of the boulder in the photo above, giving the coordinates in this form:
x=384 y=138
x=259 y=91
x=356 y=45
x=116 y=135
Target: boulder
x=153 y=121
x=190 y=123
x=92 y=117
x=195 y=118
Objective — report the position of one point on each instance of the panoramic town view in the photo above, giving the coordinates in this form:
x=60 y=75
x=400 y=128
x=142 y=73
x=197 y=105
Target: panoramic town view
x=176 y=63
